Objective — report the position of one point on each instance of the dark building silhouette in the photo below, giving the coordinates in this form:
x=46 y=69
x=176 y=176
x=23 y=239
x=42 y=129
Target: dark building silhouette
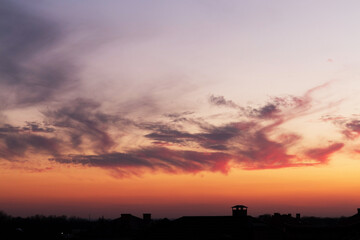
x=128 y=222
x=236 y=226
x=239 y=211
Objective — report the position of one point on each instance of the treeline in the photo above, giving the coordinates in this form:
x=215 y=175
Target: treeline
x=47 y=227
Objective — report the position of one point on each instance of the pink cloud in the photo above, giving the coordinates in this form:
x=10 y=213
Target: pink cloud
x=321 y=155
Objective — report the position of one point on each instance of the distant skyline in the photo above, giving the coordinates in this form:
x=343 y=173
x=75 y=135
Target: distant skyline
x=179 y=107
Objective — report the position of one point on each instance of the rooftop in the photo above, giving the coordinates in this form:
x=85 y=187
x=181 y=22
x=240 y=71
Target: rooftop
x=239 y=206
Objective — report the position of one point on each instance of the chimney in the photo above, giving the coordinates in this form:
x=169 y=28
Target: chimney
x=289 y=215
x=358 y=211
x=298 y=216
x=147 y=217
x=239 y=211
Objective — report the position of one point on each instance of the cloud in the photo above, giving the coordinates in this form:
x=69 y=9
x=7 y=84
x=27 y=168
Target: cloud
x=221 y=101
x=83 y=119
x=268 y=111
x=282 y=108
x=217 y=138
x=33 y=72
x=187 y=161
x=179 y=143
x=252 y=150
x=30 y=127
x=259 y=152
x=72 y=127
x=211 y=137
x=37 y=127
x=16 y=144
x=254 y=142
x=349 y=127
x=321 y=155
x=352 y=129
x=7 y=128
x=154 y=158
x=167 y=134
x=29 y=72
x=178 y=117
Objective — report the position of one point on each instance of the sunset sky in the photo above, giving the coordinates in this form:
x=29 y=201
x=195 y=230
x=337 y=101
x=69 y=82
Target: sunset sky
x=179 y=107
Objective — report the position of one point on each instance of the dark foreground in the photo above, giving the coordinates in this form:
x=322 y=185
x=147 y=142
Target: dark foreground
x=214 y=227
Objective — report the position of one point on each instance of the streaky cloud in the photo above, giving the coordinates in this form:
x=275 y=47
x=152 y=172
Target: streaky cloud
x=79 y=132
x=321 y=155
x=15 y=144
x=29 y=72
x=221 y=101
x=82 y=119
x=153 y=158
x=349 y=127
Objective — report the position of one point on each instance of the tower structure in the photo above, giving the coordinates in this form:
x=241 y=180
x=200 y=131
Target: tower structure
x=239 y=211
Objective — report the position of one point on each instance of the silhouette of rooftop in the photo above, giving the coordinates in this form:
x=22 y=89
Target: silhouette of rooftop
x=239 y=206
x=277 y=226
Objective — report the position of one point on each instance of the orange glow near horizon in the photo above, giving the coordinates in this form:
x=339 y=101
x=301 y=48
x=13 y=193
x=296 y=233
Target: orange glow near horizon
x=306 y=190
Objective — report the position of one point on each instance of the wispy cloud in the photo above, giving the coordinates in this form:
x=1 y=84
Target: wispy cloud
x=211 y=137
x=81 y=131
x=221 y=101
x=29 y=72
x=321 y=155
x=155 y=159
x=252 y=143
x=82 y=119
x=348 y=126
x=16 y=143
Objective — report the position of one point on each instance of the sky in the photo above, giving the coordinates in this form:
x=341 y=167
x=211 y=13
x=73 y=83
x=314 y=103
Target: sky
x=179 y=107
